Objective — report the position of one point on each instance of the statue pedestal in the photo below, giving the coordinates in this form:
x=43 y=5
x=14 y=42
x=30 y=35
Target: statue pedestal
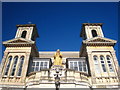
x=57 y=66
x=57 y=70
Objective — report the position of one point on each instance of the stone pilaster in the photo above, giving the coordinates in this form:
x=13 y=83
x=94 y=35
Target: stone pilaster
x=91 y=66
x=25 y=66
x=90 y=63
x=115 y=61
x=3 y=63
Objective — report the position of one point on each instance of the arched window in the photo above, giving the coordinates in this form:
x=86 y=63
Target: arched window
x=109 y=63
x=103 y=63
x=8 y=65
x=14 y=65
x=97 y=69
x=20 y=66
x=94 y=33
x=102 y=57
x=95 y=58
x=24 y=34
x=108 y=57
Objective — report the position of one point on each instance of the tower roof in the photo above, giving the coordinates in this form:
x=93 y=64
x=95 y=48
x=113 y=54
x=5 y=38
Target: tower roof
x=26 y=25
x=92 y=24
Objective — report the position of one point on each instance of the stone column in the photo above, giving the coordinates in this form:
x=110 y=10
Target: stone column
x=25 y=66
x=91 y=66
x=3 y=63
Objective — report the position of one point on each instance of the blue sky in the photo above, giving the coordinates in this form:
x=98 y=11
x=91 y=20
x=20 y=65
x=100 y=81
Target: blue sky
x=59 y=24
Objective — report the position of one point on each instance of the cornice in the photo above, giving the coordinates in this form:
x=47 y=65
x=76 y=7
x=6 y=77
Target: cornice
x=26 y=25
x=19 y=45
x=92 y=24
x=99 y=43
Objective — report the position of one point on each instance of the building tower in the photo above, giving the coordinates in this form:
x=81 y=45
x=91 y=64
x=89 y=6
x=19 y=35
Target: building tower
x=18 y=54
x=100 y=54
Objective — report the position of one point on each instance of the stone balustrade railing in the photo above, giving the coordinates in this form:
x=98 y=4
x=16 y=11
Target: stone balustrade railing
x=106 y=80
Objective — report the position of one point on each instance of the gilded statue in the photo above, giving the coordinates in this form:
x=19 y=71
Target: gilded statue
x=58 y=58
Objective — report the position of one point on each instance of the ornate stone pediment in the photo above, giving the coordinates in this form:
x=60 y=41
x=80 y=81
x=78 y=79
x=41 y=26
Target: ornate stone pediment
x=18 y=41
x=100 y=40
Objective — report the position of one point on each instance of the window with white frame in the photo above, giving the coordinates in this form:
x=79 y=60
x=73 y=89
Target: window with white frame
x=14 y=65
x=96 y=63
x=78 y=65
x=102 y=59
x=109 y=63
x=20 y=66
x=39 y=65
x=84 y=67
x=8 y=65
